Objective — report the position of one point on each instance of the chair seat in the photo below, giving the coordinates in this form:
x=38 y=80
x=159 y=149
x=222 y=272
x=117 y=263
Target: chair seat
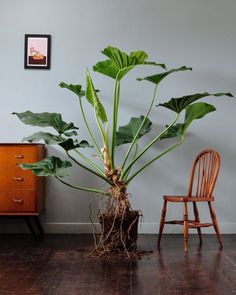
x=187 y=199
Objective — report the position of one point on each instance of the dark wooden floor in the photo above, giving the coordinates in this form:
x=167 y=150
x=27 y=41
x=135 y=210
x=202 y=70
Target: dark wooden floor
x=61 y=265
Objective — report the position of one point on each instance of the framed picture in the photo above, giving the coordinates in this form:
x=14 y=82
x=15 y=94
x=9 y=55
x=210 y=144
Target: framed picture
x=37 y=51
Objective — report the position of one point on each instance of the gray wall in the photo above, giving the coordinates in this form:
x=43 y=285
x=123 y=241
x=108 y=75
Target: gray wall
x=199 y=33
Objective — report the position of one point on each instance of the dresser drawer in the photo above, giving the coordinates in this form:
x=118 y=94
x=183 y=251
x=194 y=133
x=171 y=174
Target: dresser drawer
x=12 y=156
x=17 y=179
x=16 y=201
x=20 y=154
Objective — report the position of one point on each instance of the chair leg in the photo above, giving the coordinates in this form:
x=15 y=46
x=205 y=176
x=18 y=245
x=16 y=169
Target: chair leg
x=185 y=227
x=215 y=224
x=197 y=219
x=162 y=223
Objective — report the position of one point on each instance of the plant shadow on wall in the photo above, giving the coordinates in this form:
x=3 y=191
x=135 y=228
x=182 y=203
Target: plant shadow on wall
x=118 y=221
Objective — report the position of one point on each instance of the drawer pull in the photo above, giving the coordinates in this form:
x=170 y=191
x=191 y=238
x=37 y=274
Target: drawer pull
x=18 y=178
x=19 y=156
x=18 y=201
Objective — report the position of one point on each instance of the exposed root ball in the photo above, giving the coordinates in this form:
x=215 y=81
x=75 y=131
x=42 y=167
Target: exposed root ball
x=119 y=233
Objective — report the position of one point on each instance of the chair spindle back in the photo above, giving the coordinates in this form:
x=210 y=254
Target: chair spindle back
x=204 y=172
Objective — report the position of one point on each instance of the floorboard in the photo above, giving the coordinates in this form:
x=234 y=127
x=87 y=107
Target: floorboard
x=60 y=265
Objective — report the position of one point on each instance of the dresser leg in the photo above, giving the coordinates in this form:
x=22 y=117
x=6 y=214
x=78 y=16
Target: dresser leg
x=34 y=226
x=39 y=225
x=31 y=227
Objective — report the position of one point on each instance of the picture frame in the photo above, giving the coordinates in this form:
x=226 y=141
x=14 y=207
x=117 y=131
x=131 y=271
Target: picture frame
x=37 y=53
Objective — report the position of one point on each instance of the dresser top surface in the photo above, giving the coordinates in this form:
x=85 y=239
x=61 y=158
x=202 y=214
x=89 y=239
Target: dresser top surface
x=20 y=143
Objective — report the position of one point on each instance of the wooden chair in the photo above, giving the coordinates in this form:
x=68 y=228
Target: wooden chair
x=202 y=181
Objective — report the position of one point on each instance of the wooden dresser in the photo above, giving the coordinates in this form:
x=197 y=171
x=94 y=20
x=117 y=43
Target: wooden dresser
x=21 y=192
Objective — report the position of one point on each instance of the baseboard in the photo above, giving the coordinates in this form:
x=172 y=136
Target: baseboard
x=152 y=228
x=144 y=228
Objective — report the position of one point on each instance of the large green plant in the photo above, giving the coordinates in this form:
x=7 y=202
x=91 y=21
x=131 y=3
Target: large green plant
x=117 y=176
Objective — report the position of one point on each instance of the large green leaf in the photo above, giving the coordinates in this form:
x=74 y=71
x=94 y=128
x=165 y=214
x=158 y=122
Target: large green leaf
x=156 y=79
x=173 y=131
x=77 y=89
x=70 y=133
x=93 y=99
x=48 y=138
x=51 y=166
x=194 y=111
x=70 y=144
x=120 y=63
x=53 y=120
x=126 y=133
x=180 y=103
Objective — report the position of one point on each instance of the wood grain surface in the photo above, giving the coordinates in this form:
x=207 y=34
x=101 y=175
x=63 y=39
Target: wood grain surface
x=60 y=265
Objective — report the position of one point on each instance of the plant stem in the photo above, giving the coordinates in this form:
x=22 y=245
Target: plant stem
x=136 y=150
x=107 y=139
x=135 y=154
x=147 y=147
x=89 y=161
x=117 y=102
x=140 y=128
x=81 y=188
x=88 y=169
x=89 y=130
x=154 y=159
x=114 y=118
x=100 y=128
